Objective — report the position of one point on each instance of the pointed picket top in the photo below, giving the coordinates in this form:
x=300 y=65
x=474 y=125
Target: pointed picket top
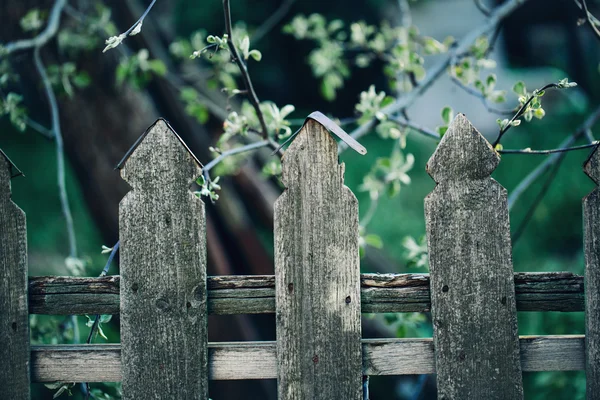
x=463 y=153
x=317 y=273
x=313 y=145
x=12 y=168
x=159 y=156
x=591 y=167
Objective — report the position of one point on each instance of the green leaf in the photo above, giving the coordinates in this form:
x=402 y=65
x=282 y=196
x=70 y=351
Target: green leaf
x=520 y=89
x=447 y=114
x=491 y=81
x=158 y=67
x=374 y=241
x=539 y=113
x=255 y=54
x=105 y=318
x=32 y=21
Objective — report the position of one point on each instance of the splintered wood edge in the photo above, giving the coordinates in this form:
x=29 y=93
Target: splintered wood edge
x=258 y=360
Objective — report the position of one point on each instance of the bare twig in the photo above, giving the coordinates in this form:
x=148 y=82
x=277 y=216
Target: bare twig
x=591 y=23
x=60 y=156
x=134 y=29
x=140 y=19
x=589 y=135
x=462 y=47
x=237 y=150
x=42 y=130
x=273 y=20
x=45 y=36
x=551 y=160
x=521 y=111
x=549 y=151
x=244 y=70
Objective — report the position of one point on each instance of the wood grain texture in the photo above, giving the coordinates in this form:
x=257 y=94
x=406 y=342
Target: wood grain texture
x=591 y=228
x=255 y=294
x=472 y=289
x=317 y=274
x=258 y=360
x=14 y=314
x=163 y=272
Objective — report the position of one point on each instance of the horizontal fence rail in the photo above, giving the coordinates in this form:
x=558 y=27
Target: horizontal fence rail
x=257 y=360
x=255 y=294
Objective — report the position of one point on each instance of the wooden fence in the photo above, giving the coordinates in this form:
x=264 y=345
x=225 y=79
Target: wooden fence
x=163 y=295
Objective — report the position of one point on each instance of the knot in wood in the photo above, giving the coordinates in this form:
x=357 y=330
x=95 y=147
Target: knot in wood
x=463 y=153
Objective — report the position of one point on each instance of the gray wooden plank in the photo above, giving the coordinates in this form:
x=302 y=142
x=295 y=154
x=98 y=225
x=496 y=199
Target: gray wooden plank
x=472 y=289
x=591 y=228
x=258 y=360
x=163 y=272
x=317 y=274
x=535 y=291
x=14 y=314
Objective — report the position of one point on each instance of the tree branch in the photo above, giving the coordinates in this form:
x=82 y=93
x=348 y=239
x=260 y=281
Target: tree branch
x=416 y=127
x=405 y=14
x=484 y=10
x=273 y=20
x=496 y=17
x=243 y=69
x=237 y=150
x=588 y=16
x=45 y=36
x=60 y=156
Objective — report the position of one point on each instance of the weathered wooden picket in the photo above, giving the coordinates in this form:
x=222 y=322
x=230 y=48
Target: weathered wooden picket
x=317 y=292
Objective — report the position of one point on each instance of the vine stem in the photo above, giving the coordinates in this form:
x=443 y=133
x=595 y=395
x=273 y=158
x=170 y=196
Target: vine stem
x=243 y=69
